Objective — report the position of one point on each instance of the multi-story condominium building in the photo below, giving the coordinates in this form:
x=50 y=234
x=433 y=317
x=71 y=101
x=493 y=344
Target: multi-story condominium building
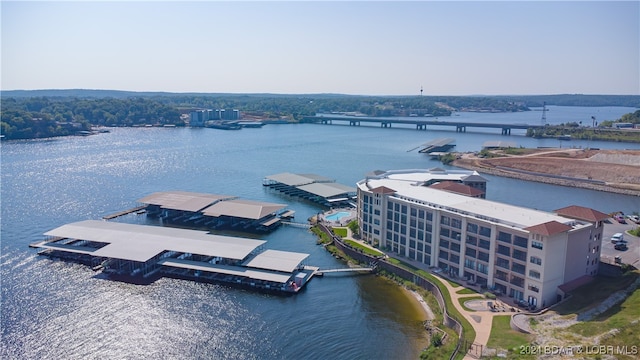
x=524 y=253
x=198 y=118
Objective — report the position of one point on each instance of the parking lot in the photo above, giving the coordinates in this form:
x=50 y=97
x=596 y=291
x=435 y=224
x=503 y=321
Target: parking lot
x=629 y=256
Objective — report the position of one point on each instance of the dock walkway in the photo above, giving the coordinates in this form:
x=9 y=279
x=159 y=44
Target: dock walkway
x=122 y=213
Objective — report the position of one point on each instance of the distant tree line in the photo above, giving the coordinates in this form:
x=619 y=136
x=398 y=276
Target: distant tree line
x=47 y=113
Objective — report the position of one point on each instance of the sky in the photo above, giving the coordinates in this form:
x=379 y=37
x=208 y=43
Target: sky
x=310 y=47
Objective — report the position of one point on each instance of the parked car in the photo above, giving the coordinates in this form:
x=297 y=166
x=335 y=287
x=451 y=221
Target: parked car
x=622 y=245
x=634 y=218
x=620 y=218
x=617 y=237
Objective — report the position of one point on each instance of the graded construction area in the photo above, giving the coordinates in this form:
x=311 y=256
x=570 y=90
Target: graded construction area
x=605 y=170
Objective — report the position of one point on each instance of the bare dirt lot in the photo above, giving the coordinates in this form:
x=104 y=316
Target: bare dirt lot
x=605 y=170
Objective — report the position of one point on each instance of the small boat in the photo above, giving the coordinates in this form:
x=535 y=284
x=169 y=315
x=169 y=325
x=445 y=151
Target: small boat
x=564 y=137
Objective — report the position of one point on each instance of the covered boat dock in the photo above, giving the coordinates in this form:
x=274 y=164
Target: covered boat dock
x=141 y=253
x=212 y=211
x=312 y=187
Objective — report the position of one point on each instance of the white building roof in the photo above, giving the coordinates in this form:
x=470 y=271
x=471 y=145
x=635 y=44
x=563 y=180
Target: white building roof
x=143 y=242
x=182 y=200
x=245 y=209
x=507 y=215
x=277 y=260
x=424 y=175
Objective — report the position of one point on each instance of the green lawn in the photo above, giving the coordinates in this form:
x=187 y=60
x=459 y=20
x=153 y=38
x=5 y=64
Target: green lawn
x=342 y=232
x=365 y=249
x=466 y=291
x=504 y=337
x=594 y=293
x=618 y=317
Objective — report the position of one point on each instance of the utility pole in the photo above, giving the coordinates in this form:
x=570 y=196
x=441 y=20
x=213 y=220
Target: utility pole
x=544 y=113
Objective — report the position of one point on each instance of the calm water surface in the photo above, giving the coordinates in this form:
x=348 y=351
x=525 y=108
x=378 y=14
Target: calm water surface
x=53 y=309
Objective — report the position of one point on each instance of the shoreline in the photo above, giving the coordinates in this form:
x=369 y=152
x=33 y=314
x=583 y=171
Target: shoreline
x=612 y=171
x=547 y=179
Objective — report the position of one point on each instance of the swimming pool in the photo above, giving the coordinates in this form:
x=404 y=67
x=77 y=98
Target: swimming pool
x=337 y=216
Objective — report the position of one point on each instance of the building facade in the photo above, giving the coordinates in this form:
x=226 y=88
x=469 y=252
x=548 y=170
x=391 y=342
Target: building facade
x=524 y=253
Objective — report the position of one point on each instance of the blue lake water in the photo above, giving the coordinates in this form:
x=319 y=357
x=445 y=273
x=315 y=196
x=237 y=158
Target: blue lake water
x=58 y=310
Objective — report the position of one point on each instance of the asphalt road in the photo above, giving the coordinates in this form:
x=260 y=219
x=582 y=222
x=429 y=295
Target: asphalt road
x=629 y=256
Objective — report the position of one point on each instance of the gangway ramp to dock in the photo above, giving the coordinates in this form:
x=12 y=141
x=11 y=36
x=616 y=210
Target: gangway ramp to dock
x=296 y=224
x=125 y=212
x=321 y=272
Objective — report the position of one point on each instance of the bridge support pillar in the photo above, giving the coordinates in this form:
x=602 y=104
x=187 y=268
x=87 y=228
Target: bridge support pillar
x=385 y=124
x=354 y=123
x=421 y=126
x=506 y=131
x=461 y=128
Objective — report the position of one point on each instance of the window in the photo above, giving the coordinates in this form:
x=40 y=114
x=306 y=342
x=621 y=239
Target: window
x=501 y=275
x=472 y=240
x=485 y=231
x=444 y=243
x=456 y=223
x=503 y=263
x=485 y=244
x=483 y=256
x=468 y=263
x=455 y=247
x=534 y=288
x=520 y=255
x=519 y=268
x=534 y=274
x=444 y=220
x=429 y=216
x=535 y=260
x=445 y=232
x=443 y=255
x=412 y=244
x=455 y=235
x=536 y=244
x=470 y=252
x=414 y=212
x=520 y=241
x=483 y=268
x=504 y=250
x=454 y=258
x=504 y=237
x=517 y=281
x=472 y=228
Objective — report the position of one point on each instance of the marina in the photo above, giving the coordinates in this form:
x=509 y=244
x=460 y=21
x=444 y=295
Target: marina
x=142 y=254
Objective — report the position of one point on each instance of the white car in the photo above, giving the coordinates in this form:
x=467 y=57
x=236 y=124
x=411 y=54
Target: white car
x=617 y=237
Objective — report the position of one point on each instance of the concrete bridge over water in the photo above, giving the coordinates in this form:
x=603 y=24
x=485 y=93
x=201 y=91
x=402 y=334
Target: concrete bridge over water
x=420 y=124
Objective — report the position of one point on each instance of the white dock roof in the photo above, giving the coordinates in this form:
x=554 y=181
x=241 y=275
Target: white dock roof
x=142 y=242
x=277 y=260
x=243 y=209
x=327 y=189
x=225 y=269
x=291 y=179
x=182 y=200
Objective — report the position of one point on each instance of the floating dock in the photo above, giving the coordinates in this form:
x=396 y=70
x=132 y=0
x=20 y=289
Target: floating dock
x=438 y=145
x=212 y=211
x=142 y=254
x=312 y=187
